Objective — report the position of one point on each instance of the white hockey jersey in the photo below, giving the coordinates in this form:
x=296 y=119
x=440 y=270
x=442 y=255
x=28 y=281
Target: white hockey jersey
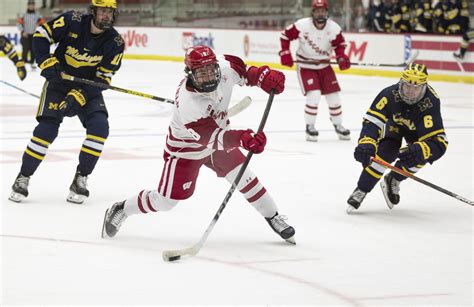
x=314 y=45
x=200 y=119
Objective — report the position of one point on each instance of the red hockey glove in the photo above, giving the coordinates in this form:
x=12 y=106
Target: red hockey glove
x=254 y=142
x=266 y=79
x=285 y=58
x=343 y=62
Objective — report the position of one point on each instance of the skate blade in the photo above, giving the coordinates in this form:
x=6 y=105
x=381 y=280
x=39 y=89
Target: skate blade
x=291 y=240
x=16 y=197
x=104 y=233
x=311 y=138
x=385 y=195
x=350 y=209
x=344 y=137
x=75 y=198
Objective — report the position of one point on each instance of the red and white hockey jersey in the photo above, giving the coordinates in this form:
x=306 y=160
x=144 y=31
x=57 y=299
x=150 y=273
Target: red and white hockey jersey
x=200 y=120
x=314 y=45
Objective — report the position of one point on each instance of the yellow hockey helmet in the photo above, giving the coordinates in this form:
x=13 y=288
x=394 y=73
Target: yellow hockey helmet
x=415 y=74
x=412 y=85
x=105 y=3
x=102 y=22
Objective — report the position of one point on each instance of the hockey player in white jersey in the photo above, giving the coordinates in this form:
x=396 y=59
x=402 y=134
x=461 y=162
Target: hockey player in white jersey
x=318 y=36
x=199 y=134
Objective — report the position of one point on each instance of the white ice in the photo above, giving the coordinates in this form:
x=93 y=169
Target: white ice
x=419 y=253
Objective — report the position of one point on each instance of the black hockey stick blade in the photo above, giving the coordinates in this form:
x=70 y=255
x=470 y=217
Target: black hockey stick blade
x=431 y=185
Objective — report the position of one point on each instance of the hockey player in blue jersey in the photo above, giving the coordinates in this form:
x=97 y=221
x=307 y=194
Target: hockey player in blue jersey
x=407 y=110
x=88 y=47
x=7 y=48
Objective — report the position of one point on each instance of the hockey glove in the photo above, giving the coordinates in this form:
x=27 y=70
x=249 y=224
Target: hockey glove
x=365 y=150
x=254 y=142
x=285 y=58
x=416 y=153
x=20 y=70
x=75 y=99
x=51 y=69
x=343 y=61
x=266 y=79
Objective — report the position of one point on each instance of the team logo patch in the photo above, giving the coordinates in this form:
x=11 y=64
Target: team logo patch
x=310 y=81
x=187 y=185
x=119 y=40
x=76 y=16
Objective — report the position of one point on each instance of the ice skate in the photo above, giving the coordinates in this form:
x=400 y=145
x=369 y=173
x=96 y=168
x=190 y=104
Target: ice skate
x=390 y=188
x=278 y=224
x=343 y=133
x=113 y=219
x=355 y=200
x=311 y=133
x=19 y=188
x=458 y=56
x=78 y=191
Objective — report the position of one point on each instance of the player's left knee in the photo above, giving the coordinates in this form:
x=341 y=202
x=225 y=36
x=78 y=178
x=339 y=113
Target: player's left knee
x=333 y=99
x=98 y=125
x=161 y=203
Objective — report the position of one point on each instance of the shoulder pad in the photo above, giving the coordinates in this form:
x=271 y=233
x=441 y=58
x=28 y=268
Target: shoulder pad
x=118 y=39
x=3 y=41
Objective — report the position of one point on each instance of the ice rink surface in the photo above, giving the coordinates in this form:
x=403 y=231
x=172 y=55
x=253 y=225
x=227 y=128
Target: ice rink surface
x=419 y=253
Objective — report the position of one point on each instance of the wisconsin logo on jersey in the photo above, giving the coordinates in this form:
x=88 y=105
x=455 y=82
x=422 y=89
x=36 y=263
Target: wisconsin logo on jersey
x=187 y=185
x=76 y=59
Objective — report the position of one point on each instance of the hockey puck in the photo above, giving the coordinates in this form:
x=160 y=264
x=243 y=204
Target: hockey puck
x=174 y=258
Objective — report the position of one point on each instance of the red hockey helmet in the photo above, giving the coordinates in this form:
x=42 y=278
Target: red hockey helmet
x=320 y=4
x=202 y=68
x=198 y=56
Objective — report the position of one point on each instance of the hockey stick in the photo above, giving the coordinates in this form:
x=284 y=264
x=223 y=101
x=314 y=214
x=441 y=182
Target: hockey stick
x=409 y=175
x=20 y=89
x=234 y=110
x=173 y=255
x=412 y=57
x=114 y=88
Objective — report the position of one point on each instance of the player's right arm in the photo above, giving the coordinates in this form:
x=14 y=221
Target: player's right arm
x=287 y=35
x=7 y=48
x=372 y=128
x=51 y=32
x=197 y=117
x=377 y=115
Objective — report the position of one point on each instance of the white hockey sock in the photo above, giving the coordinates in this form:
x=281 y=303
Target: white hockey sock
x=311 y=106
x=254 y=192
x=148 y=201
x=335 y=109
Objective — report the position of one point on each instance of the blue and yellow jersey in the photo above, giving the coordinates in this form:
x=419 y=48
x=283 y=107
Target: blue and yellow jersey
x=421 y=121
x=7 y=48
x=80 y=53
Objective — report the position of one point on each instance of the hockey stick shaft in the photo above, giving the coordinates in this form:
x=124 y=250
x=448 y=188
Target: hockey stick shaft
x=114 y=88
x=234 y=110
x=20 y=89
x=352 y=63
x=431 y=185
x=409 y=60
x=195 y=249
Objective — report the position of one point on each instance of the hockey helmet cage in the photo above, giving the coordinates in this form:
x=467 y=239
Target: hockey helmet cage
x=320 y=11
x=202 y=68
x=412 y=85
x=104 y=24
